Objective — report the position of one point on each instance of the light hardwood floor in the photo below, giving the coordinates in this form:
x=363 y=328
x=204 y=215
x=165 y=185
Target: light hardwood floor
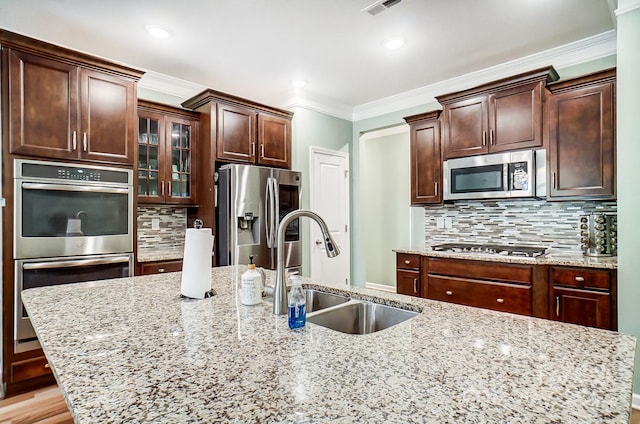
x=46 y=406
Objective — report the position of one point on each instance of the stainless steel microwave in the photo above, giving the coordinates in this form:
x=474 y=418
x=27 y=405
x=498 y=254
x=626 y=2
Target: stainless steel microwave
x=496 y=176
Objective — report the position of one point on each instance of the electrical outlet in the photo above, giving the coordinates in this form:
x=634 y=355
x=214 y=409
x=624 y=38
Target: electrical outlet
x=448 y=222
x=440 y=222
x=155 y=223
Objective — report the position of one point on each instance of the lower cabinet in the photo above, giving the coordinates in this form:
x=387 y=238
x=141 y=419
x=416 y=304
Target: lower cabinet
x=583 y=296
x=159 y=267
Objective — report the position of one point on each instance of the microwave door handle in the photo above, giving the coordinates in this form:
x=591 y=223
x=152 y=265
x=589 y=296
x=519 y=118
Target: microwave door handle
x=64 y=187
x=506 y=175
x=75 y=263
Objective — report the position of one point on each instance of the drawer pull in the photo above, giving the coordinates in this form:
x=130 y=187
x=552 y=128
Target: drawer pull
x=160 y=269
x=407 y=262
x=415 y=285
x=448 y=292
x=557 y=306
x=500 y=300
x=47 y=365
x=580 y=279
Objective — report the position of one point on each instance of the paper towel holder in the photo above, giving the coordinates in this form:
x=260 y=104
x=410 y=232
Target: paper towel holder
x=207 y=294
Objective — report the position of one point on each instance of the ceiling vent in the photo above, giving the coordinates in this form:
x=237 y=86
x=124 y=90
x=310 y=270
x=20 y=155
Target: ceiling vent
x=380 y=6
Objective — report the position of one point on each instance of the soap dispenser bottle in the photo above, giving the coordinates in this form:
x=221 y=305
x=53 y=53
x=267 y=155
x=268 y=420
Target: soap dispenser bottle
x=297 y=304
x=251 y=285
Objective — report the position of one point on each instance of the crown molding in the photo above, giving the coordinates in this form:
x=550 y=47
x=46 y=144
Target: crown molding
x=625 y=6
x=322 y=106
x=169 y=85
x=385 y=132
x=581 y=51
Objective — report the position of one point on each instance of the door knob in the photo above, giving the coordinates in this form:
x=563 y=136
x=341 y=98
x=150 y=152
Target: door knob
x=318 y=242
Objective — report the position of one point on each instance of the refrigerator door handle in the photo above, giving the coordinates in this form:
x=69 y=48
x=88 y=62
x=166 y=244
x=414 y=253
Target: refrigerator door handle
x=276 y=215
x=267 y=215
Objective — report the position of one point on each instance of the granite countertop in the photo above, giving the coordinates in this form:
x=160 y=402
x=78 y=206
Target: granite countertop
x=552 y=257
x=131 y=350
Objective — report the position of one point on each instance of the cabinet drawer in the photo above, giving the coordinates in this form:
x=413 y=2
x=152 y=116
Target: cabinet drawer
x=29 y=368
x=407 y=261
x=580 y=278
x=496 y=296
x=408 y=282
x=481 y=270
x=160 y=267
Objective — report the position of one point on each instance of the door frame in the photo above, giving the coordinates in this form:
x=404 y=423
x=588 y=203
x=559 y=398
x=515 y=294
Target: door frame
x=346 y=249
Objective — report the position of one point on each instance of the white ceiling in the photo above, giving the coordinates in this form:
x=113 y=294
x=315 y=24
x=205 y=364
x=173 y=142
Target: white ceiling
x=254 y=48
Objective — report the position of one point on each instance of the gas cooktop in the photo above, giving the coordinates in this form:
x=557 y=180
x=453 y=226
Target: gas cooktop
x=508 y=250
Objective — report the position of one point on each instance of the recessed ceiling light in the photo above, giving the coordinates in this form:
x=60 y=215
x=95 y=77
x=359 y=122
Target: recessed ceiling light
x=157 y=31
x=394 y=43
x=299 y=83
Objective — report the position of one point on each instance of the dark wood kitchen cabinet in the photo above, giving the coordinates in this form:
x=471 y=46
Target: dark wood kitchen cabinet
x=489 y=285
x=159 y=267
x=495 y=117
x=426 y=158
x=582 y=137
x=167 y=147
x=66 y=109
x=583 y=296
x=408 y=274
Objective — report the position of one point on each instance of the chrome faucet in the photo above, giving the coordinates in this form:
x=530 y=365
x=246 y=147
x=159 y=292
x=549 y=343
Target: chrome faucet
x=280 y=301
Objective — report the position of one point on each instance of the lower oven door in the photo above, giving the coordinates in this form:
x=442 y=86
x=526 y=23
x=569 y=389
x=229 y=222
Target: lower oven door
x=32 y=273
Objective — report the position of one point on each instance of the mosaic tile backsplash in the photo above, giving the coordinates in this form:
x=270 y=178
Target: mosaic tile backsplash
x=524 y=222
x=173 y=223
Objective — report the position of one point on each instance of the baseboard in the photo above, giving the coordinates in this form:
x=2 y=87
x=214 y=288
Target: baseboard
x=635 y=401
x=381 y=287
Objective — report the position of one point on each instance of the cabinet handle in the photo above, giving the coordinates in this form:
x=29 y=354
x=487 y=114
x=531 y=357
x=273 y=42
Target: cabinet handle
x=75 y=141
x=491 y=137
x=262 y=150
x=415 y=285
x=500 y=300
x=554 y=180
x=436 y=184
x=557 y=306
x=448 y=292
x=84 y=141
x=47 y=365
x=253 y=148
x=407 y=262
x=484 y=138
x=160 y=269
x=162 y=190
x=169 y=188
x=580 y=279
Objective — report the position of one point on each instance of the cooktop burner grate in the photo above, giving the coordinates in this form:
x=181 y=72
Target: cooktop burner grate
x=507 y=250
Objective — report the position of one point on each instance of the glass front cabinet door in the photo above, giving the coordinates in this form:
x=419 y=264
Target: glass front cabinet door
x=166 y=152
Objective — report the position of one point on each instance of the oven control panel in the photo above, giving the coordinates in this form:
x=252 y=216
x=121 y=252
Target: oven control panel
x=79 y=174
x=57 y=171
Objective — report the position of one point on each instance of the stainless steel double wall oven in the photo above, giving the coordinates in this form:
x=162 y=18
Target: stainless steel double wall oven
x=72 y=223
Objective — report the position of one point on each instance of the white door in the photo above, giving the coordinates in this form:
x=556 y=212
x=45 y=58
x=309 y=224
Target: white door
x=329 y=198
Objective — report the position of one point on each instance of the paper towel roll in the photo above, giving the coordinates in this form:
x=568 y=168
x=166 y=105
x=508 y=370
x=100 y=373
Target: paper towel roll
x=196 y=263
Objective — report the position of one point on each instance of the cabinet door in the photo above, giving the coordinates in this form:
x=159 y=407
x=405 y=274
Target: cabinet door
x=180 y=151
x=515 y=118
x=408 y=282
x=151 y=158
x=583 y=307
x=426 y=163
x=581 y=143
x=108 y=111
x=274 y=135
x=43 y=103
x=236 y=134
x=465 y=128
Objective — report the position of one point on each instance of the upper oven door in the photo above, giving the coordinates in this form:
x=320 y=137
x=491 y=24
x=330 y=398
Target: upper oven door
x=69 y=219
x=476 y=177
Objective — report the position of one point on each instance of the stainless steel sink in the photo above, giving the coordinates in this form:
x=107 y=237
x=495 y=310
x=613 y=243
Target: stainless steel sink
x=317 y=300
x=360 y=317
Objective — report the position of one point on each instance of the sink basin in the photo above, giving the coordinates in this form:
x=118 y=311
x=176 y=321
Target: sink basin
x=361 y=317
x=317 y=300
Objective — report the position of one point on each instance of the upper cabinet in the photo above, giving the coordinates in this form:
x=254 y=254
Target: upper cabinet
x=426 y=158
x=582 y=137
x=67 y=105
x=495 y=117
x=244 y=131
x=167 y=140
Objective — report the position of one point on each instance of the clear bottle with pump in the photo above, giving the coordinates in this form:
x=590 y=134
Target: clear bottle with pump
x=297 y=304
x=251 y=285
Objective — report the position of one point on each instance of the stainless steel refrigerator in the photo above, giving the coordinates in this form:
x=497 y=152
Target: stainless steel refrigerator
x=252 y=200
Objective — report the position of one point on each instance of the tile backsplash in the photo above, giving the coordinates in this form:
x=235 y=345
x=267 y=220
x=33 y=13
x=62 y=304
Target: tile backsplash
x=525 y=222
x=173 y=223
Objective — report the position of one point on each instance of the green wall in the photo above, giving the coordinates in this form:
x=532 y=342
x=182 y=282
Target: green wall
x=628 y=139
x=310 y=128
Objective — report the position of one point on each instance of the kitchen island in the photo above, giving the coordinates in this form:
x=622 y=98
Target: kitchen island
x=131 y=350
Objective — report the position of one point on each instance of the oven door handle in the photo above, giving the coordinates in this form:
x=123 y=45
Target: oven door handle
x=76 y=263
x=64 y=187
